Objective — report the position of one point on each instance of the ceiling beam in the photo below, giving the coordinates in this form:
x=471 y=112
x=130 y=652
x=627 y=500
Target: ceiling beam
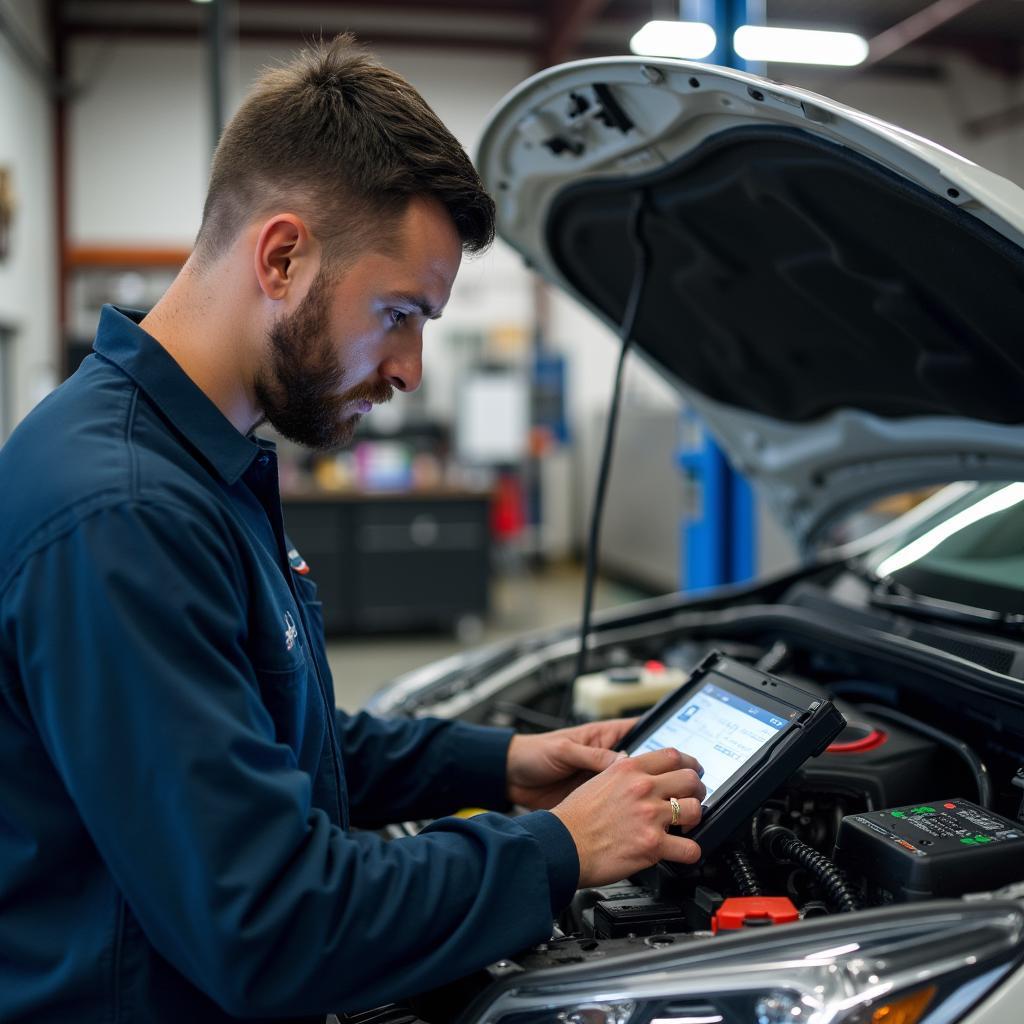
x=908 y=31
x=564 y=26
x=996 y=122
x=369 y=37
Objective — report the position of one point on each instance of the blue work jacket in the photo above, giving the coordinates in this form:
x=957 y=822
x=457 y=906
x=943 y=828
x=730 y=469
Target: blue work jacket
x=176 y=786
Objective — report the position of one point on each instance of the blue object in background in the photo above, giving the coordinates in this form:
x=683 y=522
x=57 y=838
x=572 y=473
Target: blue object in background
x=719 y=544
x=725 y=16
x=549 y=393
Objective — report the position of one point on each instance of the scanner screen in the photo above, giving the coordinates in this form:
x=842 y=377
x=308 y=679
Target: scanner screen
x=721 y=729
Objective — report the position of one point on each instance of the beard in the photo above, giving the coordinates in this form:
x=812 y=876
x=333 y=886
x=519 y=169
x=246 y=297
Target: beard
x=299 y=389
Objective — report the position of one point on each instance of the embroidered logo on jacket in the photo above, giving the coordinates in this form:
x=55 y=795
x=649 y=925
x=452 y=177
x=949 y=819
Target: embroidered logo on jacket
x=291 y=631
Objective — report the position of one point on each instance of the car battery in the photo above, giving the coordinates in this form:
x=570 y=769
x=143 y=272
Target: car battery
x=921 y=851
x=638 y=915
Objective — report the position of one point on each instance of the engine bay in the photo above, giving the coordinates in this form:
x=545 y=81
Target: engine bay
x=918 y=798
x=786 y=863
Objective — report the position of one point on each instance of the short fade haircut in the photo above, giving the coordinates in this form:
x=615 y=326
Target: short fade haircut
x=346 y=143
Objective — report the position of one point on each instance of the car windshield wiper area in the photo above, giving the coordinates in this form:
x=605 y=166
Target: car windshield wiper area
x=888 y=593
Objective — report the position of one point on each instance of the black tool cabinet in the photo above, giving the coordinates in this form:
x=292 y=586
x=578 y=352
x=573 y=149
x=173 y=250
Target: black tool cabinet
x=392 y=562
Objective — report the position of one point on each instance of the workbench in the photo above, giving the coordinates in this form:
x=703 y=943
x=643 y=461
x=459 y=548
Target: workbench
x=390 y=561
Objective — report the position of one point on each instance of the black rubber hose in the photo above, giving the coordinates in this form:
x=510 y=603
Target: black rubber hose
x=982 y=779
x=782 y=845
x=629 y=318
x=743 y=873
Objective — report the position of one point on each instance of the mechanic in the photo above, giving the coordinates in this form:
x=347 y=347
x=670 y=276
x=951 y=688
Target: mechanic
x=177 y=792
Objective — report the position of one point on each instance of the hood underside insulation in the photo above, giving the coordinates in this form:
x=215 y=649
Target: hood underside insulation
x=792 y=277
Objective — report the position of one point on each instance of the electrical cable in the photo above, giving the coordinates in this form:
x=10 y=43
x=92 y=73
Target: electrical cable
x=626 y=336
x=743 y=873
x=982 y=779
x=782 y=845
x=775 y=658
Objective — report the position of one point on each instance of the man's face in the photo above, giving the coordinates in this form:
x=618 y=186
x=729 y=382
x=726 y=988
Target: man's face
x=357 y=337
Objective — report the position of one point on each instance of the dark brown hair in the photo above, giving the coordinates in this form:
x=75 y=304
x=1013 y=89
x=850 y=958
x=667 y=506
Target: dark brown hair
x=345 y=142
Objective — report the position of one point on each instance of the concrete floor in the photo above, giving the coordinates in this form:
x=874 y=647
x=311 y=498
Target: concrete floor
x=521 y=601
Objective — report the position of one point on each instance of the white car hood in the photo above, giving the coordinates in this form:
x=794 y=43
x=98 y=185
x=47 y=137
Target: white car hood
x=840 y=300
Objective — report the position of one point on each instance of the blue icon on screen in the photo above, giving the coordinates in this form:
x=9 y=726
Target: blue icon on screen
x=689 y=713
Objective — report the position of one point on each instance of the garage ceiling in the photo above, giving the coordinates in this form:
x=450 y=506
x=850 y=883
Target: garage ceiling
x=550 y=30
x=991 y=17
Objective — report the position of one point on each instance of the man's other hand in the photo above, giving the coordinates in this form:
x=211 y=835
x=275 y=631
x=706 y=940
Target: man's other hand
x=619 y=819
x=544 y=768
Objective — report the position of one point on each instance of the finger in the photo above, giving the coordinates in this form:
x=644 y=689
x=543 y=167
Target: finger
x=682 y=783
x=601 y=734
x=690 y=813
x=584 y=758
x=668 y=759
x=679 y=849
x=613 y=731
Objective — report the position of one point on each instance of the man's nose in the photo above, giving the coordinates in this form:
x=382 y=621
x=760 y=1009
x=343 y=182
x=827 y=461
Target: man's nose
x=403 y=368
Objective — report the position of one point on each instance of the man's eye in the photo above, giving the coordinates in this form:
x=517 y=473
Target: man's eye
x=398 y=317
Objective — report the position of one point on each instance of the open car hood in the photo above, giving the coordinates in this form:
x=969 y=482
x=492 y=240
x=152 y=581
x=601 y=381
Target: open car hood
x=840 y=300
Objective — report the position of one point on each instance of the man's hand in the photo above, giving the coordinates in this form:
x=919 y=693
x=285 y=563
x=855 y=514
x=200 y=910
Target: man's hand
x=543 y=769
x=619 y=818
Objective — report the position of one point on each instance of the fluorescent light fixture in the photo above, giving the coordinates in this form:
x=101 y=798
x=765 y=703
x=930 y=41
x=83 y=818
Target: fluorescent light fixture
x=692 y=40
x=799 y=46
x=998 y=501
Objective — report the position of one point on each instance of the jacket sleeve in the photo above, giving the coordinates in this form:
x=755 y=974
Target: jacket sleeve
x=129 y=633
x=423 y=768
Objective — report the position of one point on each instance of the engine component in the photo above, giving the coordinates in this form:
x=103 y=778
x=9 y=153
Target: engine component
x=923 y=851
x=982 y=779
x=1018 y=782
x=743 y=872
x=752 y=912
x=882 y=764
x=643 y=915
x=619 y=691
x=782 y=845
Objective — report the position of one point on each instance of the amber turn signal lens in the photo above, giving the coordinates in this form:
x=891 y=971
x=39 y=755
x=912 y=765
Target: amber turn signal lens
x=908 y=1009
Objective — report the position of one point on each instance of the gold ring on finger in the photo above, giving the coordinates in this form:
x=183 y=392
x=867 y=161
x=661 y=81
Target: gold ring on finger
x=674 y=804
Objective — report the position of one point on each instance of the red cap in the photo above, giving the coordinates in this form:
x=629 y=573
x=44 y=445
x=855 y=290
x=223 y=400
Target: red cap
x=738 y=911
x=654 y=666
x=875 y=738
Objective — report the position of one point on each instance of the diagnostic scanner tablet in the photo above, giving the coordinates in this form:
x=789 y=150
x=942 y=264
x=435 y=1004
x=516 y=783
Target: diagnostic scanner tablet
x=749 y=730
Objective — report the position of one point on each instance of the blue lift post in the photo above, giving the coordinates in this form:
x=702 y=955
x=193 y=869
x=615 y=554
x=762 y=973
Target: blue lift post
x=719 y=543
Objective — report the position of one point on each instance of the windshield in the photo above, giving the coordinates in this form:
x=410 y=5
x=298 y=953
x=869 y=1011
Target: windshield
x=967 y=548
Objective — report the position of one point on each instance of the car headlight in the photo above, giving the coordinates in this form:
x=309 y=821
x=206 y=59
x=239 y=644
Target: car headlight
x=914 y=965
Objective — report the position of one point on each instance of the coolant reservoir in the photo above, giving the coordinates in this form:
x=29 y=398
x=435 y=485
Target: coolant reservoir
x=624 y=690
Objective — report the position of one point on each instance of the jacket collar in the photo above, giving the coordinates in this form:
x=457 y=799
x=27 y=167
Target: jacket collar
x=120 y=339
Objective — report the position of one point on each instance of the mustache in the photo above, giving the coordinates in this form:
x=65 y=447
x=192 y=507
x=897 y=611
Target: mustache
x=378 y=393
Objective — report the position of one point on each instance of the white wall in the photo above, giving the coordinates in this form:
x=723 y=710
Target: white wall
x=137 y=143
x=28 y=276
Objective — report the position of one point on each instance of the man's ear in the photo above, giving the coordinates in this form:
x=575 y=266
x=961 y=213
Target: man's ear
x=287 y=258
